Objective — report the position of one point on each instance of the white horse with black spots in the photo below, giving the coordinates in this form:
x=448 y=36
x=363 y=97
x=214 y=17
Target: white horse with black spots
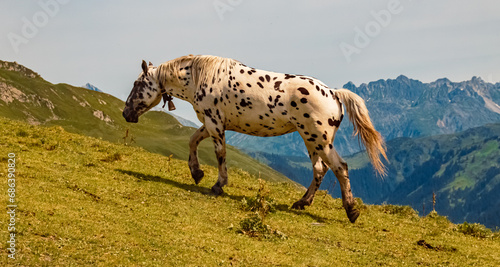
x=227 y=95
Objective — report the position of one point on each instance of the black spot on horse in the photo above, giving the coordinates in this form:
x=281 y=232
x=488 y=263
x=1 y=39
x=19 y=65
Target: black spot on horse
x=261 y=79
x=303 y=90
x=244 y=103
x=306 y=115
x=333 y=122
x=293 y=104
x=277 y=85
x=303 y=100
x=260 y=85
x=268 y=78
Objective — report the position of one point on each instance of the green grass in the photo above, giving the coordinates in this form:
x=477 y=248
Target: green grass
x=83 y=201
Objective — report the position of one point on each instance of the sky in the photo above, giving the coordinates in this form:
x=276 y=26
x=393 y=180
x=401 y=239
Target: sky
x=104 y=42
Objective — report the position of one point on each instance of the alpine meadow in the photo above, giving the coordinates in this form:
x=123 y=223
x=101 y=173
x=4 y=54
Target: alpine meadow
x=93 y=190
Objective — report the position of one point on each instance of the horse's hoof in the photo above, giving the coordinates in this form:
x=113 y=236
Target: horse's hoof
x=352 y=214
x=299 y=205
x=197 y=175
x=216 y=190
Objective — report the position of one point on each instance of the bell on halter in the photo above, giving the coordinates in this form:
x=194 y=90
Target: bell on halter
x=171 y=105
x=168 y=98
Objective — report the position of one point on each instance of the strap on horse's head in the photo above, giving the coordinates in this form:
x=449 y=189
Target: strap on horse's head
x=168 y=98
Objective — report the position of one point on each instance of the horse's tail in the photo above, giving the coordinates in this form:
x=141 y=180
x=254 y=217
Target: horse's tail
x=363 y=127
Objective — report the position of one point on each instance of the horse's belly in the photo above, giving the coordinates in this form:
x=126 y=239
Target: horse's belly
x=260 y=125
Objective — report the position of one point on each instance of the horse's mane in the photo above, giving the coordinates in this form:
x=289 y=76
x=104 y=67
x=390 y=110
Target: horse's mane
x=204 y=69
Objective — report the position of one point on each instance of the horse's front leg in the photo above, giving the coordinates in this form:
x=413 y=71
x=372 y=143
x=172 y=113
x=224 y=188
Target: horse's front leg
x=194 y=165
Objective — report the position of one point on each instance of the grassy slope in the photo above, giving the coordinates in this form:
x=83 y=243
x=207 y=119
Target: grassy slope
x=157 y=131
x=84 y=201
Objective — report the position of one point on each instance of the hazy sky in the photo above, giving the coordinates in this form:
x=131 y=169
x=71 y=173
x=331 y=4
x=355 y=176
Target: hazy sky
x=103 y=42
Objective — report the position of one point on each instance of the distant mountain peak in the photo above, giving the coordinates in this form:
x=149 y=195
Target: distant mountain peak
x=402 y=78
x=476 y=80
x=350 y=85
x=441 y=82
x=92 y=87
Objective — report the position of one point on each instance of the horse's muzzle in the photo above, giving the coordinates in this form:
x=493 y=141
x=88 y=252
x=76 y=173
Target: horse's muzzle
x=130 y=116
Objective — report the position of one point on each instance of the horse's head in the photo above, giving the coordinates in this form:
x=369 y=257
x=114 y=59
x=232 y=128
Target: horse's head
x=145 y=94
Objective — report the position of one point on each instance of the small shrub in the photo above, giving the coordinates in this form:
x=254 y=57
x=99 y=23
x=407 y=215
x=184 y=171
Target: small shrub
x=114 y=157
x=50 y=146
x=475 y=230
x=404 y=211
x=22 y=133
x=254 y=227
x=261 y=203
x=438 y=220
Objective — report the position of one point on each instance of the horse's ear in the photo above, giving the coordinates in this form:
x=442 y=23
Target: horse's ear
x=150 y=64
x=145 y=67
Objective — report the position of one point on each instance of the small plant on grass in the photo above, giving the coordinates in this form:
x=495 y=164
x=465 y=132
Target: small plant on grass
x=475 y=230
x=261 y=205
x=22 y=133
x=404 y=211
x=254 y=227
x=114 y=157
x=130 y=137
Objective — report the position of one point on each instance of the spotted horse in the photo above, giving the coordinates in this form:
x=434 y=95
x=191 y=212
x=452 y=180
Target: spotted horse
x=228 y=95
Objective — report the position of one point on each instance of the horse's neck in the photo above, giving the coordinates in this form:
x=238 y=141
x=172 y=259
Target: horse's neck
x=180 y=84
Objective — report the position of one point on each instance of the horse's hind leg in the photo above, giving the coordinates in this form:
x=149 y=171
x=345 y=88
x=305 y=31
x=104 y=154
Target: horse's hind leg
x=339 y=167
x=220 y=152
x=319 y=171
x=194 y=165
